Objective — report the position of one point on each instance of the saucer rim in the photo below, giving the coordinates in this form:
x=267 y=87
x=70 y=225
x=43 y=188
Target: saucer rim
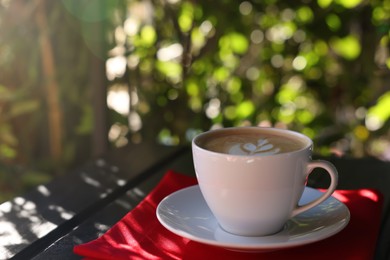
x=322 y=234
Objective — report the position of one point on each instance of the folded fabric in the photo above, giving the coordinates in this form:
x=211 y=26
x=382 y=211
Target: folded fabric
x=139 y=235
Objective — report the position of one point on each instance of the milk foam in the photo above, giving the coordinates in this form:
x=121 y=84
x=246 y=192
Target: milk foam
x=261 y=147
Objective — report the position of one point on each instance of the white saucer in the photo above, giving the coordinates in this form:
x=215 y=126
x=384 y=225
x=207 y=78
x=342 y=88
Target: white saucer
x=186 y=214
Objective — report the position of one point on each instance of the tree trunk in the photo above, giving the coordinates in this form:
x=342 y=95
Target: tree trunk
x=51 y=85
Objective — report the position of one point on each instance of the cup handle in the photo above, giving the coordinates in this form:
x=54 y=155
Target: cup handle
x=332 y=171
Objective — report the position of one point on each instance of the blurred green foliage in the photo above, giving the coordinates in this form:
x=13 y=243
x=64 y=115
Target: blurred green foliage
x=175 y=68
x=319 y=67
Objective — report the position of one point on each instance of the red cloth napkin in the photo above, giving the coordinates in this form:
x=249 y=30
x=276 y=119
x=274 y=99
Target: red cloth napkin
x=139 y=235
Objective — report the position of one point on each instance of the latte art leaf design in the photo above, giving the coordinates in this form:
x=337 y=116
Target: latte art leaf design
x=249 y=147
x=262 y=147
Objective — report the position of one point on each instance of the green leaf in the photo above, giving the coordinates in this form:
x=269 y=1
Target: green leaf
x=169 y=68
x=347 y=47
x=192 y=89
x=230 y=112
x=23 y=107
x=7 y=151
x=234 y=85
x=86 y=121
x=239 y=43
x=333 y=22
x=245 y=109
x=148 y=35
x=235 y=42
x=380 y=113
x=305 y=14
x=186 y=16
x=324 y=3
x=349 y=3
x=305 y=116
x=221 y=74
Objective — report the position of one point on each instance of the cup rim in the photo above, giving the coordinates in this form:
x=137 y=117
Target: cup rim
x=309 y=144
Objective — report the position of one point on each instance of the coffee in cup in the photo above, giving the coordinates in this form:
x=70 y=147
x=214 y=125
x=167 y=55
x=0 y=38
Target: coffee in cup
x=252 y=178
x=244 y=141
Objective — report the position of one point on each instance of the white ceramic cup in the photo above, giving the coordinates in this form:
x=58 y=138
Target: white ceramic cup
x=255 y=195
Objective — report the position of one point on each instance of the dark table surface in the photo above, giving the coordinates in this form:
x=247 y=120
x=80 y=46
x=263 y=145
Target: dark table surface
x=80 y=206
